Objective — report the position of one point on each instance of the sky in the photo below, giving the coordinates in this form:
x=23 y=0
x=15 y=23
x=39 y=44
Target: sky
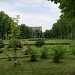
x=32 y=12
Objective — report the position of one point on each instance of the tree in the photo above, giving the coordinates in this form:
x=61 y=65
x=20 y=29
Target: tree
x=38 y=33
x=68 y=12
x=15 y=44
x=48 y=34
x=26 y=32
x=6 y=24
x=67 y=7
x=15 y=32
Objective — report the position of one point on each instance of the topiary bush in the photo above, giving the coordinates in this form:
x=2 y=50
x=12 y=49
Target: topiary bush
x=39 y=43
x=1 y=46
x=44 y=53
x=58 y=53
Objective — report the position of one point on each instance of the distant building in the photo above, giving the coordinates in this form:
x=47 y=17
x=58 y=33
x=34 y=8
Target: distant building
x=37 y=28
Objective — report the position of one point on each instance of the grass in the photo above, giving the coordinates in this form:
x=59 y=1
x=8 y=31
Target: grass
x=42 y=66
x=26 y=41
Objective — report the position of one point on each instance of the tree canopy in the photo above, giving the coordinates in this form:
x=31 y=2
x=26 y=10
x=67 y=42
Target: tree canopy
x=67 y=8
x=65 y=26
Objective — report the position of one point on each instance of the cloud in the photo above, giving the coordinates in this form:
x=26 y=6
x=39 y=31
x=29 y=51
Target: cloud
x=32 y=12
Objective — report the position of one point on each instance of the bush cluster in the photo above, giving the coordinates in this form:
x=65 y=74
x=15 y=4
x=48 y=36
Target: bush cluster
x=58 y=53
x=39 y=43
x=33 y=54
x=44 y=53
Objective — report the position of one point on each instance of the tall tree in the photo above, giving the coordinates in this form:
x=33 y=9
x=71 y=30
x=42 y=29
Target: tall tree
x=6 y=24
x=26 y=32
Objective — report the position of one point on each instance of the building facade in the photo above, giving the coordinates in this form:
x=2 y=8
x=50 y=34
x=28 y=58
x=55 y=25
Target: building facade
x=37 y=28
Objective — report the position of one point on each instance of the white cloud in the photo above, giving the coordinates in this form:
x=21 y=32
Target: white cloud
x=45 y=20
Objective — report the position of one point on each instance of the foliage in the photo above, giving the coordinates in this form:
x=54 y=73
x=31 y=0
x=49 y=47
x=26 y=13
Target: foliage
x=26 y=32
x=44 y=53
x=38 y=33
x=72 y=47
x=1 y=44
x=6 y=24
x=64 y=28
x=58 y=53
x=33 y=54
x=14 y=43
x=15 y=32
x=67 y=8
x=39 y=43
x=48 y=34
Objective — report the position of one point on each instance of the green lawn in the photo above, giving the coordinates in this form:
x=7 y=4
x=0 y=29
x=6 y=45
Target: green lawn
x=26 y=41
x=41 y=66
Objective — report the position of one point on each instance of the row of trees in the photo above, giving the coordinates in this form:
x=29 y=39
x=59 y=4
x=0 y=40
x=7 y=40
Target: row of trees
x=28 y=32
x=64 y=28
x=9 y=28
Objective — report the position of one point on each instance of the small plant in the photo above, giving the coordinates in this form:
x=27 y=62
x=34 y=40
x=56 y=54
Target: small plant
x=33 y=56
x=39 y=43
x=1 y=46
x=58 y=53
x=44 y=53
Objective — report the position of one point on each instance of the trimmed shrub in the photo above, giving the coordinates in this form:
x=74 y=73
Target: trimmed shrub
x=58 y=53
x=33 y=54
x=39 y=43
x=44 y=53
